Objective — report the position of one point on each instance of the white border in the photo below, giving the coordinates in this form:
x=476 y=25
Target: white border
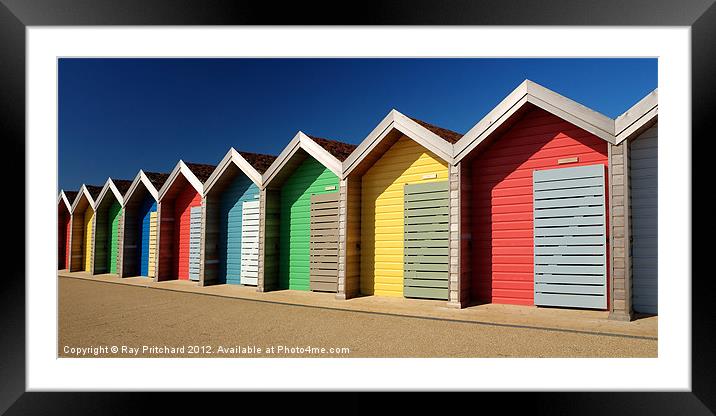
x=670 y=371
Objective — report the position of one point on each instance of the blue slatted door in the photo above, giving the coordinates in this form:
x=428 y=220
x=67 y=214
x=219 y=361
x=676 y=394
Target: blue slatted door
x=250 y=243
x=194 y=242
x=570 y=243
x=426 y=240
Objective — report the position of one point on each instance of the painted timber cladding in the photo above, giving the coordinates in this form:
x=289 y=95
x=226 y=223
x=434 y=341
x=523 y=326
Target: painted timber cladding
x=502 y=200
x=184 y=202
x=570 y=243
x=114 y=214
x=106 y=237
x=250 y=213
x=382 y=231
x=231 y=204
x=77 y=242
x=427 y=240
x=147 y=214
x=309 y=178
x=324 y=242
x=87 y=246
x=643 y=182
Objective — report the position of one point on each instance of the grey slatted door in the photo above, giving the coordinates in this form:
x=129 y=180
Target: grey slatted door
x=250 y=243
x=570 y=243
x=194 y=242
x=324 y=242
x=426 y=243
x=644 y=218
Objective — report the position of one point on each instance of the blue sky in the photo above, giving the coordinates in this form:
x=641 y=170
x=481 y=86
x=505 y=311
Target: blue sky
x=117 y=116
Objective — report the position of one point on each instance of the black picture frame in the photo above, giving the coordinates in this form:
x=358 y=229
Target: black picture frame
x=16 y=15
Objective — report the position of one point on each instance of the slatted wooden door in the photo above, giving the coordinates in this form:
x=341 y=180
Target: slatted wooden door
x=570 y=242
x=324 y=242
x=152 y=249
x=194 y=242
x=644 y=195
x=426 y=240
x=250 y=243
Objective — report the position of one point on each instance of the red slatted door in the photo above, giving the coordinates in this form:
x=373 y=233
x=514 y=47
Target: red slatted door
x=502 y=207
x=186 y=199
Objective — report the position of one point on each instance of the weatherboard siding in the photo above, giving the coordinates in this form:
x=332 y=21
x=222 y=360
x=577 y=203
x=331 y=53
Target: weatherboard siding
x=185 y=200
x=114 y=213
x=501 y=205
x=87 y=244
x=382 y=212
x=309 y=178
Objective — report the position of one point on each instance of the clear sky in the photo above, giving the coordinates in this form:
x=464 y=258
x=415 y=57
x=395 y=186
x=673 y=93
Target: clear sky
x=117 y=116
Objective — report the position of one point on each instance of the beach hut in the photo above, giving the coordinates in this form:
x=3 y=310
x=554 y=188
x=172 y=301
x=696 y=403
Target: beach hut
x=82 y=232
x=397 y=215
x=139 y=225
x=299 y=216
x=179 y=212
x=634 y=214
x=107 y=225
x=230 y=221
x=534 y=200
x=64 y=223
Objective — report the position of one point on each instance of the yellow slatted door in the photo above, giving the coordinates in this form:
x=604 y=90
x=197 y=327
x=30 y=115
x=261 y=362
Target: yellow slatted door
x=406 y=162
x=89 y=215
x=152 y=243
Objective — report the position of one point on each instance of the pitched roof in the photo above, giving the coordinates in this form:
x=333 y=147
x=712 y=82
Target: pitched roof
x=201 y=171
x=157 y=179
x=448 y=135
x=71 y=196
x=339 y=150
x=259 y=161
x=122 y=185
x=94 y=191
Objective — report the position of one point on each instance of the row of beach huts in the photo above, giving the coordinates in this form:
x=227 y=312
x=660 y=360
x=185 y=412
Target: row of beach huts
x=543 y=202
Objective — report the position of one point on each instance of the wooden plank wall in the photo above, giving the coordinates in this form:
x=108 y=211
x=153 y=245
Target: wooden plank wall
x=165 y=266
x=271 y=214
x=324 y=243
x=427 y=240
x=352 y=241
x=88 y=243
x=210 y=251
x=77 y=242
x=101 y=239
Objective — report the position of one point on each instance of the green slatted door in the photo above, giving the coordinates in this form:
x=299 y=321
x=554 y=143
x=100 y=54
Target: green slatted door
x=426 y=243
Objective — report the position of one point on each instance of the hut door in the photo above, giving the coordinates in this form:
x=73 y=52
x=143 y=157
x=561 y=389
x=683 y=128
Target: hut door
x=324 y=242
x=194 y=242
x=426 y=240
x=570 y=242
x=250 y=243
x=643 y=170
